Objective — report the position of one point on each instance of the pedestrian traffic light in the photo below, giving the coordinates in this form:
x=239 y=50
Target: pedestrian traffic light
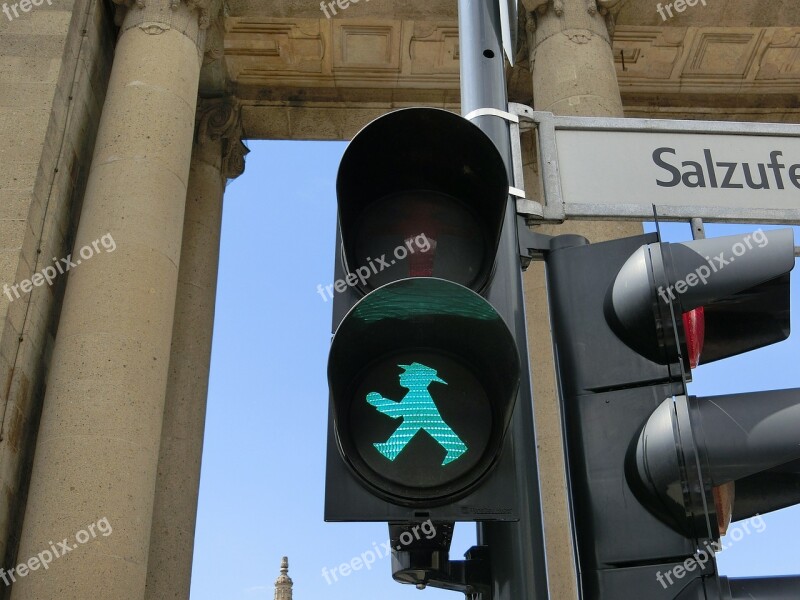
x=655 y=475
x=423 y=371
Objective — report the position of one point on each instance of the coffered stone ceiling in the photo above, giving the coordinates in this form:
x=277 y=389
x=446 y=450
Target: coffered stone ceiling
x=301 y=75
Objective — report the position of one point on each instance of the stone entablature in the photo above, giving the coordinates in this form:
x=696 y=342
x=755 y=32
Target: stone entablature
x=335 y=64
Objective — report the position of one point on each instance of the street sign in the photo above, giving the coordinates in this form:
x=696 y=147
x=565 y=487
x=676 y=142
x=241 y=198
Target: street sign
x=605 y=168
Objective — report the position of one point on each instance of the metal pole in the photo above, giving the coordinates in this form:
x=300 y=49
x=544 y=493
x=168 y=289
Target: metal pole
x=516 y=549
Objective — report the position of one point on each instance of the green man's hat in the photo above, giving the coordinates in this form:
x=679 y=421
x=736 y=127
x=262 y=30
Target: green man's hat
x=422 y=371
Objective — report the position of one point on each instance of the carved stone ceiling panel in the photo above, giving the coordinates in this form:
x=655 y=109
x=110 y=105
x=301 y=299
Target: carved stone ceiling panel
x=350 y=60
x=754 y=66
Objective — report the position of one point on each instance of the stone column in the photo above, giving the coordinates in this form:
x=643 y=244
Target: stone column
x=218 y=155
x=573 y=74
x=99 y=436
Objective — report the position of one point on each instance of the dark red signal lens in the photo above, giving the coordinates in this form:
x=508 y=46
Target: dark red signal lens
x=694 y=325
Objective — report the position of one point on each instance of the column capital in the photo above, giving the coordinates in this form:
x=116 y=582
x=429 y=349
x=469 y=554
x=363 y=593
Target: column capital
x=592 y=6
x=220 y=119
x=205 y=9
x=607 y=9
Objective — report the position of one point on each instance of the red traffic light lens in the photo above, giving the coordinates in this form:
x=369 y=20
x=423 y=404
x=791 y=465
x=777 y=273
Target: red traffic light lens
x=694 y=326
x=420 y=234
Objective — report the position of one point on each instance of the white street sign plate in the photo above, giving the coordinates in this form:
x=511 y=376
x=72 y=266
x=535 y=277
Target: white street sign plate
x=619 y=168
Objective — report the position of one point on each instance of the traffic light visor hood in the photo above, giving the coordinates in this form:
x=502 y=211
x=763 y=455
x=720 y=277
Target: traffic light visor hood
x=422 y=174
x=742 y=286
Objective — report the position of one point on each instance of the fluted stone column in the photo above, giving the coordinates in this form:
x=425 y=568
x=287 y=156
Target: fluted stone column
x=217 y=156
x=99 y=436
x=573 y=74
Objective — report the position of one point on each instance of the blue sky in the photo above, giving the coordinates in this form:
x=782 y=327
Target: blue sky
x=262 y=485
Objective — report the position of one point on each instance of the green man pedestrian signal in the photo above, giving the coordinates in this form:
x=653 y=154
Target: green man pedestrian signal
x=417 y=411
x=406 y=437
x=423 y=372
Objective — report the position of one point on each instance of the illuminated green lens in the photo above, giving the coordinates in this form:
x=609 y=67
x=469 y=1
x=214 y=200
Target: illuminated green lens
x=419 y=412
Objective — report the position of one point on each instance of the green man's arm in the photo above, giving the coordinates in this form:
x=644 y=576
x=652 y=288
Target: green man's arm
x=385 y=405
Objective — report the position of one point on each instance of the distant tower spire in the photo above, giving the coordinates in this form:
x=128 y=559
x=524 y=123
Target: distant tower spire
x=283 y=584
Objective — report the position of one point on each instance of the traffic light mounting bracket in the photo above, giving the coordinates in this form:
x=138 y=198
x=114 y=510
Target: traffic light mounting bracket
x=426 y=562
x=532 y=245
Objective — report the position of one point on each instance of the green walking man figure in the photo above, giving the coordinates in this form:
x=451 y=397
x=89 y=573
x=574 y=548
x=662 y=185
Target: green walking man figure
x=418 y=411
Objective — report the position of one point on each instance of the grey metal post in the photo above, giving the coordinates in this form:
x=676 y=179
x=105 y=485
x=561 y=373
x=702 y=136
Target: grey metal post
x=516 y=549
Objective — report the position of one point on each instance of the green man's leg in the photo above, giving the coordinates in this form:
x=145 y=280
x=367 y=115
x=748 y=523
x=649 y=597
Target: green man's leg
x=395 y=444
x=448 y=440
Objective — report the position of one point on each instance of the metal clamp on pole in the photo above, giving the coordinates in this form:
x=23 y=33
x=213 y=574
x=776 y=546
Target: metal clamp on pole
x=551 y=209
x=493 y=112
x=530 y=209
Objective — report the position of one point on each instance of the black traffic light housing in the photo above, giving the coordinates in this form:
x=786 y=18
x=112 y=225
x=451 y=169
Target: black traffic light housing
x=423 y=372
x=645 y=461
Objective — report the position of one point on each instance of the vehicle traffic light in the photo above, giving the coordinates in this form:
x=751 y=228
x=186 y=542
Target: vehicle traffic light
x=655 y=475
x=423 y=372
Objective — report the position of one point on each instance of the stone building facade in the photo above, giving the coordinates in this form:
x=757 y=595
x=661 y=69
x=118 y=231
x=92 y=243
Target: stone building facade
x=126 y=118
